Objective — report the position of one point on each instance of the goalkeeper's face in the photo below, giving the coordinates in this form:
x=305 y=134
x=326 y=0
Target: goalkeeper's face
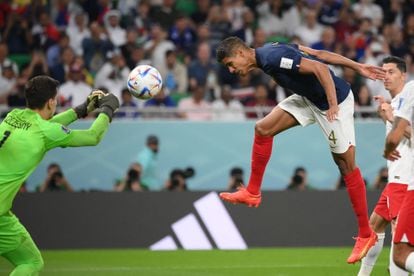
x=51 y=106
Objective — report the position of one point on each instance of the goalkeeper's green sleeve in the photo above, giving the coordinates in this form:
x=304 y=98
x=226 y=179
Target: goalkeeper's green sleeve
x=65 y=118
x=91 y=136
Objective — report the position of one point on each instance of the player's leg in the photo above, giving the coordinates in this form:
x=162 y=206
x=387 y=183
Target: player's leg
x=17 y=246
x=378 y=224
x=26 y=258
x=340 y=134
x=275 y=122
x=403 y=254
x=395 y=270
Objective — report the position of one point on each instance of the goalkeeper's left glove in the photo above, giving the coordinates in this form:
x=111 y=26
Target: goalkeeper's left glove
x=90 y=104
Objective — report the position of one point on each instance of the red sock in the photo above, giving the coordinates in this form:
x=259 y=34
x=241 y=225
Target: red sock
x=355 y=186
x=262 y=149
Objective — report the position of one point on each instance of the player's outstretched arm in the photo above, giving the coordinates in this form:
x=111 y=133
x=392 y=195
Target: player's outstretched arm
x=366 y=70
x=108 y=105
x=69 y=116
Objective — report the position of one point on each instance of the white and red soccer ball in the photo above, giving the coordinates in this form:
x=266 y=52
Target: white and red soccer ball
x=144 y=82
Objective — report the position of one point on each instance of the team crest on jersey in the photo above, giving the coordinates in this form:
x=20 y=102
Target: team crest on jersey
x=65 y=130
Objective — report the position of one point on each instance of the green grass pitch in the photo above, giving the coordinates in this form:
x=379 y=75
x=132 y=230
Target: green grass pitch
x=272 y=261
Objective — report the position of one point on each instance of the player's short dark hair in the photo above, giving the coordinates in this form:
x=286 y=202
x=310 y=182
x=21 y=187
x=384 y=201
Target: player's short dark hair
x=399 y=62
x=227 y=46
x=39 y=90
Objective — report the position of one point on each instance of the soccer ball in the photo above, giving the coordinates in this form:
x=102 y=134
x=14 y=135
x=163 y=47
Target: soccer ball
x=144 y=82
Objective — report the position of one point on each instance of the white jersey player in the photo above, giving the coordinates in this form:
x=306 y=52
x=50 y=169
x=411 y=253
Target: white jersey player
x=399 y=171
x=403 y=253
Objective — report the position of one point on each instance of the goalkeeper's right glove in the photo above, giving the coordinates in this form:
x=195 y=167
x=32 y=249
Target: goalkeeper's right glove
x=108 y=104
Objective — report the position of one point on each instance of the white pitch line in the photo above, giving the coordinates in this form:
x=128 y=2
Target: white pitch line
x=126 y=268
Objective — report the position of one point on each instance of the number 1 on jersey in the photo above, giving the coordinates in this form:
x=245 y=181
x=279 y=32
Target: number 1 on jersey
x=5 y=136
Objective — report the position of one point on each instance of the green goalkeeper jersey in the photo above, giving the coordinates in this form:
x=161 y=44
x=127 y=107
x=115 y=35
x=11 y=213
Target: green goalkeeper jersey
x=25 y=137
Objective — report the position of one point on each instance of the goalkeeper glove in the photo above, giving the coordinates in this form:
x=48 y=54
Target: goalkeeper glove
x=108 y=105
x=90 y=104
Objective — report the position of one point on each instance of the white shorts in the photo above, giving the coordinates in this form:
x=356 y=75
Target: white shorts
x=339 y=133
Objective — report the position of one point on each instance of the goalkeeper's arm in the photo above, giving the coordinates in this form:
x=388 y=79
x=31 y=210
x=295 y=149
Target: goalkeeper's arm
x=91 y=136
x=69 y=116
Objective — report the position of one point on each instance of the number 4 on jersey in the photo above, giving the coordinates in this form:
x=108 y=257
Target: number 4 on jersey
x=5 y=136
x=331 y=137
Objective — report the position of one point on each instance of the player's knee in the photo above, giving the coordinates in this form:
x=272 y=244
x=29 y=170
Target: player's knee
x=38 y=264
x=399 y=256
x=261 y=131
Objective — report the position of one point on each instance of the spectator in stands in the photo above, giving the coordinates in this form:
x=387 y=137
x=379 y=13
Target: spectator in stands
x=148 y=160
x=203 y=69
x=38 y=64
x=226 y=108
x=177 y=181
x=141 y=18
x=311 y=31
x=17 y=34
x=364 y=100
x=44 y=32
x=200 y=16
x=183 y=36
x=114 y=73
x=116 y=34
x=271 y=18
x=8 y=80
x=195 y=108
x=299 y=180
x=74 y=91
x=219 y=25
x=246 y=30
x=95 y=48
x=4 y=58
x=16 y=97
x=381 y=179
x=327 y=41
x=175 y=76
x=236 y=178
x=259 y=38
x=129 y=108
x=260 y=103
x=329 y=11
x=55 y=180
x=162 y=101
x=54 y=52
x=61 y=70
x=132 y=180
x=368 y=9
x=165 y=14
x=129 y=47
x=361 y=38
x=398 y=47
x=78 y=30
x=156 y=47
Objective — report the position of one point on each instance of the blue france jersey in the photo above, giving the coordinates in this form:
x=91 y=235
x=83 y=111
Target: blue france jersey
x=281 y=61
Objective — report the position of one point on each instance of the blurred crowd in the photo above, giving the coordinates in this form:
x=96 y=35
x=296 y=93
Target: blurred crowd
x=88 y=43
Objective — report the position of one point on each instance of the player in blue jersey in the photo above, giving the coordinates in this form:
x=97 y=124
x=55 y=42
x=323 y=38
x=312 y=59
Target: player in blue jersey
x=319 y=97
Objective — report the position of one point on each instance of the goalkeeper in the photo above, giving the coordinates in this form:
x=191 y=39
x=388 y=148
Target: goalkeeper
x=25 y=137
